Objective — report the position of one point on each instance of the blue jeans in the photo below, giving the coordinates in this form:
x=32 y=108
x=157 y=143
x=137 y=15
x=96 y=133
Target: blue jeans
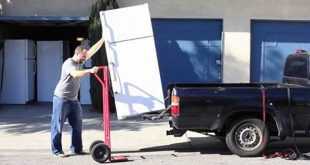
x=63 y=109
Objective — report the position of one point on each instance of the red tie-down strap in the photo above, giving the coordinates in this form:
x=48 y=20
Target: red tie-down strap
x=264 y=104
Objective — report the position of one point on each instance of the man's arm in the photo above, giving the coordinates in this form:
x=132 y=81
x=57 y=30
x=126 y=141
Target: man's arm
x=81 y=73
x=94 y=48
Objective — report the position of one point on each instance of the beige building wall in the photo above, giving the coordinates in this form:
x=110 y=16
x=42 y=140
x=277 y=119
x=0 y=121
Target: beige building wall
x=236 y=16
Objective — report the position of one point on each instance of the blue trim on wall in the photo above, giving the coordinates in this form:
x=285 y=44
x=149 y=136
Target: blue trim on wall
x=42 y=18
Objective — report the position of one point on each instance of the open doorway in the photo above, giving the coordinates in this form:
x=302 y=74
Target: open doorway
x=49 y=41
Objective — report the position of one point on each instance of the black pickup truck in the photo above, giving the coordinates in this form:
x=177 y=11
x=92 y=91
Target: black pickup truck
x=245 y=116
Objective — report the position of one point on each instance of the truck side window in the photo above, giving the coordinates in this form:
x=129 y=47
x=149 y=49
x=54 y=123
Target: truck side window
x=296 y=66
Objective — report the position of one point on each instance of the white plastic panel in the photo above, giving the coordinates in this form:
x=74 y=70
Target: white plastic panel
x=132 y=62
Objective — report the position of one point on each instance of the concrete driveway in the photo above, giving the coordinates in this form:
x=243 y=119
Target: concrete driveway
x=25 y=139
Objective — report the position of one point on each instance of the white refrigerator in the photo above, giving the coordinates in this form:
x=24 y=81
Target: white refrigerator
x=19 y=72
x=49 y=61
x=132 y=60
x=85 y=97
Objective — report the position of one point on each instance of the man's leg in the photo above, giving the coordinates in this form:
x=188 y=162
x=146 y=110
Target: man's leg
x=75 y=120
x=57 y=122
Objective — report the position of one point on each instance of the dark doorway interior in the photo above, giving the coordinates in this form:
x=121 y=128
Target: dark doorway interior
x=43 y=28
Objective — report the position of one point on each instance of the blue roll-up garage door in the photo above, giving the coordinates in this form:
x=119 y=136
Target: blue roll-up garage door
x=189 y=50
x=272 y=42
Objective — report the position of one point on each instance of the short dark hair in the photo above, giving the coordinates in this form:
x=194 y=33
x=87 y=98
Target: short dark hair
x=79 y=49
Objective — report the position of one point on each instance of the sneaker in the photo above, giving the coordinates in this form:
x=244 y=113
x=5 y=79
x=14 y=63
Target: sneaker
x=77 y=153
x=60 y=155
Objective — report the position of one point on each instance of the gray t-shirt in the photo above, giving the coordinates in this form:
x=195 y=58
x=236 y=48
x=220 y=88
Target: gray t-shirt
x=68 y=87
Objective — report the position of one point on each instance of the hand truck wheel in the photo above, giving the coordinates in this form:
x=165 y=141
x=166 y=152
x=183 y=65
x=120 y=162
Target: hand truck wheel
x=93 y=144
x=101 y=153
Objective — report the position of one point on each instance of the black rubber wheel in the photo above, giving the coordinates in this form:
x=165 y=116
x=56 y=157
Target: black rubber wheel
x=247 y=137
x=101 y=152
x=93 y=144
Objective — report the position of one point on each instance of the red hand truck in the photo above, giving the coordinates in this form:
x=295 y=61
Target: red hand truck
x=101 y=150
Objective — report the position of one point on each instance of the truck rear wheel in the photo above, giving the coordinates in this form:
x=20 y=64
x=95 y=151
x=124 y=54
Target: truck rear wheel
x=247 y=137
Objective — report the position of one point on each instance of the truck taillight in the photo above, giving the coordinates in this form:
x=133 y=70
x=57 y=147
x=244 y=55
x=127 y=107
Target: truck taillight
x=175 y=106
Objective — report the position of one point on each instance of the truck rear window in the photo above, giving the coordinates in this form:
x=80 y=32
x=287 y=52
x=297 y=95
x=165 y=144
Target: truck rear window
x=296 y=66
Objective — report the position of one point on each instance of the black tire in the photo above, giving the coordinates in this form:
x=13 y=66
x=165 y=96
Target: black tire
x=247 y=137
x=93 y=144
x=101 y=153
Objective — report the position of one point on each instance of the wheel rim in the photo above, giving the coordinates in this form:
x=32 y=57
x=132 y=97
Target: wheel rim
x=248 y=137
x=101 y=153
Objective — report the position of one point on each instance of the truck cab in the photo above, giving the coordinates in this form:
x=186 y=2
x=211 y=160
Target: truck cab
x=296 y=69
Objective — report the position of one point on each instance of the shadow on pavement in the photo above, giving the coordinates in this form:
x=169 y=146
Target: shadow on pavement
x=303 y=144
x=206 y=145
x=22 y=119
x=211 y=145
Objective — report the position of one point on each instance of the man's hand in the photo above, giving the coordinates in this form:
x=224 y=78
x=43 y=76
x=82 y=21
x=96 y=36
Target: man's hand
x=94 y=69
x=81 y=73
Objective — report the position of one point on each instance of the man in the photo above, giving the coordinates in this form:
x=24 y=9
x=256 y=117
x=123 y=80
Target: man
x=65 y=100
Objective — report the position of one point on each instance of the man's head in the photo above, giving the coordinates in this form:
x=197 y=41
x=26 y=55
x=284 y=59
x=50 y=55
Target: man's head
x=80 y=54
